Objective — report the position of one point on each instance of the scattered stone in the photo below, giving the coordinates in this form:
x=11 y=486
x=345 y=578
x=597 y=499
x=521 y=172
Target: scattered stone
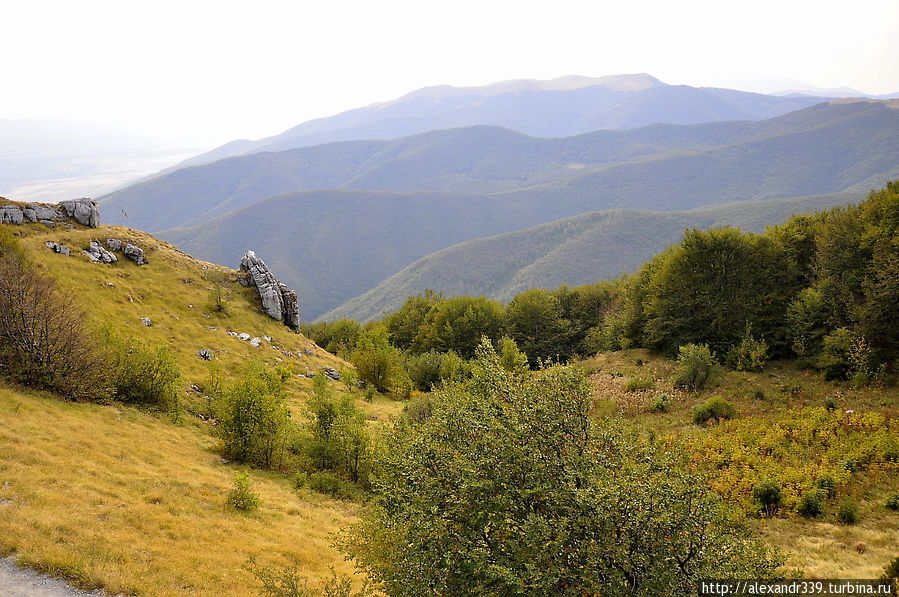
x=278 y=301
x=243 y=336
x=130 y=299
x=332 y=373
x=189 y=306
x=206 y=354
x=267 y=338
x=207 y=316
x=307 y=351
x=212 y=328
x=134 y=253
x=286 y=353
x=48 y=223
x=146 y=321
x=114 y=244
x=195 y=387
x=310 y=374
x=255 y=342
x=98 y=254
x=58 y=248
x=232 y=333
x=110 y=284
x=84 y=211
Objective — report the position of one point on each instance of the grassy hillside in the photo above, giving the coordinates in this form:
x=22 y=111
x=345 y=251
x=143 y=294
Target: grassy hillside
x=121 y=498
x=578 y=250
x=775 y=410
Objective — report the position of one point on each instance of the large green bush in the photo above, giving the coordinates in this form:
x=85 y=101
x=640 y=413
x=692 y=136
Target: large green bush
x=253 y=419
x=510 y=488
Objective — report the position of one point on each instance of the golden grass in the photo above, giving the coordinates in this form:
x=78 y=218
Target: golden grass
x=112 y=497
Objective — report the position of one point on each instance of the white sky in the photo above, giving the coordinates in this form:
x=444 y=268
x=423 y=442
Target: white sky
x=211 y=71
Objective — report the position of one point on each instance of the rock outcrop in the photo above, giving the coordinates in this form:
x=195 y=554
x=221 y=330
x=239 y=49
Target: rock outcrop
x=84 y=211
x=98 y=254
x=278 y=301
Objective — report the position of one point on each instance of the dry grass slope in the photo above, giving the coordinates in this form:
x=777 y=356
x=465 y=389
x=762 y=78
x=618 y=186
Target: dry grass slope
x=114 y=497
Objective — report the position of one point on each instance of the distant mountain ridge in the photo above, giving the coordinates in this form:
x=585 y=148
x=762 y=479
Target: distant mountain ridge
x=557 y=108
x=483 y=160
x=333 y=245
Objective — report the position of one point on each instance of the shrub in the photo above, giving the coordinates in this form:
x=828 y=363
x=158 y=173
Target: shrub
x=300 y=480
x=835 y=359
x=377 y=362
x=697 y=367
x=827 y=483
x=340 y=438
x=43 y=338
x=242 y=497
x=419 y=410
x=891 y=574
x=570 y=507
x=330 y=484
x=830 y=404
x=750 y=354
x=253 y=420
x=716 y=408
x=892 y=502
x=142 y=373
x=659 y=404
x=635 y=384
x=767 y=494
x=810 y=505
x=847 y=512
x=850 y=464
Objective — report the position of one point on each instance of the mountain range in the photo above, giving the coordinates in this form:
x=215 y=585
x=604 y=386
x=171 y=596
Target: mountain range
x=336 y=220
x=557 y=108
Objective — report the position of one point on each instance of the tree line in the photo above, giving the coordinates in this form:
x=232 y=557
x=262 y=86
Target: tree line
x=822 y=288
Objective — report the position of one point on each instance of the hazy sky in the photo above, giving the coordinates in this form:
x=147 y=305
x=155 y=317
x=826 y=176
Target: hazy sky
x=211 y=71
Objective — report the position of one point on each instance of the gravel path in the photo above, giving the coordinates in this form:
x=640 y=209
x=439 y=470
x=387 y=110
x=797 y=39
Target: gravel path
x=19 y=582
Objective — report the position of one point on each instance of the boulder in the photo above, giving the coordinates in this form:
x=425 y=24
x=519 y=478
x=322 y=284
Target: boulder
x=278 y=301
x=332 y=373
x=98 y=254
x=11 y=214
x=243 y=337
x=134 y=253
x=114 y=244
x=206 y=354
x=58 y=248
x=84 y=211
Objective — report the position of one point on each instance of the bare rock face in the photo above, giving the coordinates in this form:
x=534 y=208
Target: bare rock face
x=11 y=214
x=278 y=301
x=84 y=211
